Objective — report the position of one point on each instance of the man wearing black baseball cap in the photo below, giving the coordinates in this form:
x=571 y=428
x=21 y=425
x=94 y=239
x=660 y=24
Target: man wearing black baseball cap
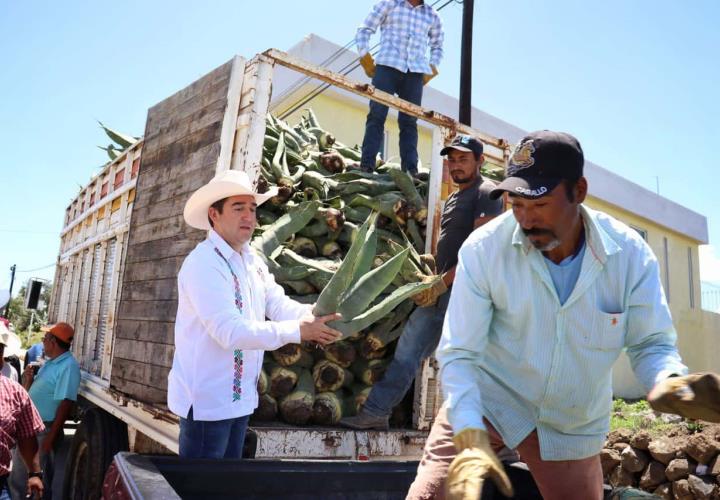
x=464 y=210
x=545 y=298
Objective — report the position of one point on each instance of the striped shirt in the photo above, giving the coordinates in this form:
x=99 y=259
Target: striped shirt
x=510 y=351
x=18 y=419
x=405 y=33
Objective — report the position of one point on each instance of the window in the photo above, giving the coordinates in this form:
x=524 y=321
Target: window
x=119 y=178
x=666 y=258
x=104 y=189
x=691 y=281
x=135 y=168
x=641 y=232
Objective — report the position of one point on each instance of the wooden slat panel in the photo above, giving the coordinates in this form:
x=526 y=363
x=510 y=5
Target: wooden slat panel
x=150 y=394
x=178 y=130
x=153 y=269
x=178 y=245
x=148 y=331
x=145 y=352
x=148 y=310
x=162 y=229
x=162 y=173
x=161 y=289
x=180 y=153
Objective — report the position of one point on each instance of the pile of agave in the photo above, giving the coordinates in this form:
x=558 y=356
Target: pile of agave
x=348 y=242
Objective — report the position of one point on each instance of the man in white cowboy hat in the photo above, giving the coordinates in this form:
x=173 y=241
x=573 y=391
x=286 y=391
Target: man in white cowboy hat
x=225 y=294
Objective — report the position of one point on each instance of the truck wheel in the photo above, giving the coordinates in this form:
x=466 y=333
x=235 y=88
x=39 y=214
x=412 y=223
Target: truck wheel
x=98 y=438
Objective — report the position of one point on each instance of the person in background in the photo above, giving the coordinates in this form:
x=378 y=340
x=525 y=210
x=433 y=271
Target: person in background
x=20 y=424
x=408 y=28
x=6 y=369
x=466 y=209
x=35 y=353
x=54 y=392
x=14 y=362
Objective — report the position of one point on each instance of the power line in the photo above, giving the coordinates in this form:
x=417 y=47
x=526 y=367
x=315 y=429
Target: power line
x=36 y=269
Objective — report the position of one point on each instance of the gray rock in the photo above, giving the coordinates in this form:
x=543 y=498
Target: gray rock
x=714 y=467
x=681 y=490
x=620 y=477
x=633 y=460
x=619 y=446
x=670 y=418
x=679 y=468
x=609 y=460
x=702 y=487
x=652 y=476
x=641 y=440
x=664 y=491
x=702 y=448
x=662 y=450
x=619 y=436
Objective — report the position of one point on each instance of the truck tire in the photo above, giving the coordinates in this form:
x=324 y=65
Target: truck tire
x=98 y=438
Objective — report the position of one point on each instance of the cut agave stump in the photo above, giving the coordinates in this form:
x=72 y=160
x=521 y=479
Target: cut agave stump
x=267 y=409
x=297 y=407
x=288 y=354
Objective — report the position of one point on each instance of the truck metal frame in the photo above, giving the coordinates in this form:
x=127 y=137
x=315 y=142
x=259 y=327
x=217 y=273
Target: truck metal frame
x=123 y=241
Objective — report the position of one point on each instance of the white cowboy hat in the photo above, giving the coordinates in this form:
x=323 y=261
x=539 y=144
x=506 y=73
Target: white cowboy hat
x=12 y=343
x=223 y=185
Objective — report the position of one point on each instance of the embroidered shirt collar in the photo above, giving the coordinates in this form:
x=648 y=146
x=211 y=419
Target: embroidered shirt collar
x=225 y=249
x=597 y=239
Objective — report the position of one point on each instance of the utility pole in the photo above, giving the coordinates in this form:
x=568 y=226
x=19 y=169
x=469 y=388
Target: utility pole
x=12 y=280
x=466 y=64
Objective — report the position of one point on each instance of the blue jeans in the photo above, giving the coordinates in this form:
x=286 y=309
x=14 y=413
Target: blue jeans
x=212 y=439
x=420 y=337
x=5 y=494
x=17 y=482
x=408 y=86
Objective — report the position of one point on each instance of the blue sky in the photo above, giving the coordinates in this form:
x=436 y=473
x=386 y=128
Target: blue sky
x=635 y=81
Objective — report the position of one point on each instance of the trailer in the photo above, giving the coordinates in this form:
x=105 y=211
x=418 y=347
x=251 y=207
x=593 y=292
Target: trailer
x=124 y=240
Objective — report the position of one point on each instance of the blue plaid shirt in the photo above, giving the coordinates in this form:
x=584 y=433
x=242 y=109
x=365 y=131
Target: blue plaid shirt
x=405 y=33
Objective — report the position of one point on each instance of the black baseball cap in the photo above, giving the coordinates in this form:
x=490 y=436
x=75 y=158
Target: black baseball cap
x=539 y=162
x=464 y=143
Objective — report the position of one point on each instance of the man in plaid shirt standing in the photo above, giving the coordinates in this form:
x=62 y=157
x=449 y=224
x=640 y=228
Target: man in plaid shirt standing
x=20 y=423
x=407 y=29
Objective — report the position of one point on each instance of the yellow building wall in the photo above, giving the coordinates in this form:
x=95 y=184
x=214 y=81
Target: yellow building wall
x=698 y=331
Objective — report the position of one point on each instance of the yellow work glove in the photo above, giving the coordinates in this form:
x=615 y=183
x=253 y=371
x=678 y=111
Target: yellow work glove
x=429 y=296
x=368 y=64
x=427 y=78
x=429 y=260
x=695 y=396
x=474 y=463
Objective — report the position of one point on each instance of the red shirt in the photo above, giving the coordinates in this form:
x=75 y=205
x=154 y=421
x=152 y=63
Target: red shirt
x=18 y=419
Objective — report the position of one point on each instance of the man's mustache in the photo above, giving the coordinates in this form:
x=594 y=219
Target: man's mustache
x=538 y=231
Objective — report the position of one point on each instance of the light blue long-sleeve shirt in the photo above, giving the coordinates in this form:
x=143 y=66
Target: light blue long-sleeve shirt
x=512 y=353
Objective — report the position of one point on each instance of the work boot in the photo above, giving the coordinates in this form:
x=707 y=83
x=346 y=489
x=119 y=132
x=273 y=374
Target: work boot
x=364 y=421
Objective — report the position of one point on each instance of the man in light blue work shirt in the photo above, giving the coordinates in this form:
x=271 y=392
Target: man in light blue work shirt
x=53 y=391
x=545 y=299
